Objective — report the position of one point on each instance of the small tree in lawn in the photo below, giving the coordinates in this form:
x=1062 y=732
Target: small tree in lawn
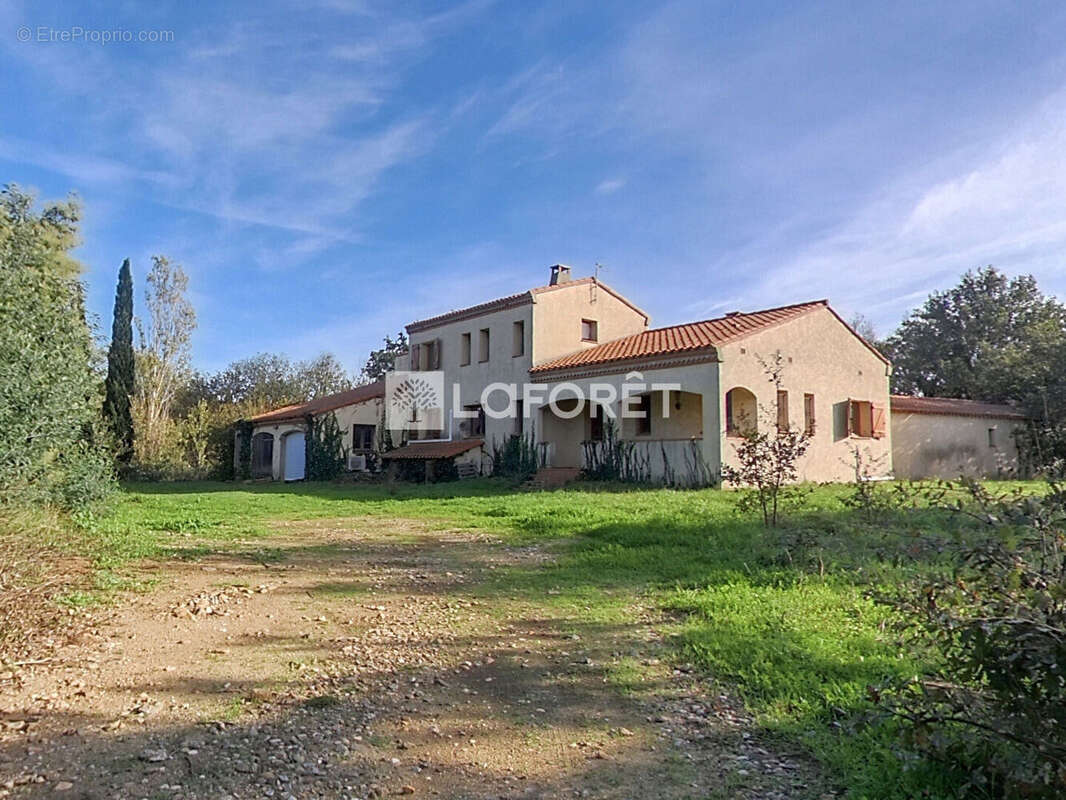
x=766 y=457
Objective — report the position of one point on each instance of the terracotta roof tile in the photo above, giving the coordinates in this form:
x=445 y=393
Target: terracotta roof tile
x=321 y=405
x=685 y=338
x=953 y=406
x=423 y=451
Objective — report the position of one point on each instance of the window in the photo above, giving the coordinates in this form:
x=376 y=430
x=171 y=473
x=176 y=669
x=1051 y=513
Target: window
x=518 y=332
x=520 y=417
x=992 y=437
x=866 y=420
x=808 y=415
x=644 y=420
x=474 y=426
x=589 y=330
x=464 y=349
x=483 y=345
x=782 y=410
x=426 y=355
x=362 y=437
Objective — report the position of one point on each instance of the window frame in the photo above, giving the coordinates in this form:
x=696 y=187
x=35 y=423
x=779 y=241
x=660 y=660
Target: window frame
x=518 y=338
x=465 y=349
x=810 y=416
x=643 y=422
x=484 y=345
x=366 y=429
x=593 y=329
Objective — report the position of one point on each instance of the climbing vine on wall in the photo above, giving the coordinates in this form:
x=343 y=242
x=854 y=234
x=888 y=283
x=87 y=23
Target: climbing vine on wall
x=326 y=453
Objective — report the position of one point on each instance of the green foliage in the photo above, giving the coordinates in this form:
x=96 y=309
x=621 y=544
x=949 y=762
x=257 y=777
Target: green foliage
x=49 y=399
x=766 y=460
x=516 y=458
x=244 y=455
x=384 y=360
x=326 y=452
x=119 y=386
x=615 y=459
x=994 y=712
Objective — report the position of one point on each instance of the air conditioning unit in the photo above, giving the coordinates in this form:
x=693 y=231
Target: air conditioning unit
x=357 y=462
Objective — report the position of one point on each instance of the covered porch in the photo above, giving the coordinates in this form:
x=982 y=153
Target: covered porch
x=627 y=424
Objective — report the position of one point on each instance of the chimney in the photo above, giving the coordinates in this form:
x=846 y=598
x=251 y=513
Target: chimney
x=560 y=274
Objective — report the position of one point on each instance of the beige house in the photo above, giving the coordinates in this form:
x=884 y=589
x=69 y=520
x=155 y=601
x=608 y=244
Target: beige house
x=589 y=350
x=937 y=437
x=278 y=436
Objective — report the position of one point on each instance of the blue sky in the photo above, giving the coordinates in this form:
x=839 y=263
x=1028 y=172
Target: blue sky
x=363 y=163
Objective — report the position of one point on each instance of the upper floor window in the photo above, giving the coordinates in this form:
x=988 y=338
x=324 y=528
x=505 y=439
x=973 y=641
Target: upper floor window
x=589 y=330
x=518 y=345
x=483 y=345
x=464 y=349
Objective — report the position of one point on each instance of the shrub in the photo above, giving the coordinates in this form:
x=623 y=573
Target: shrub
x=516 y=458
x=614 y=459
x=995 y=711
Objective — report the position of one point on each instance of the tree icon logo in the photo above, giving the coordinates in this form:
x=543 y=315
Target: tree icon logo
x=414 y=400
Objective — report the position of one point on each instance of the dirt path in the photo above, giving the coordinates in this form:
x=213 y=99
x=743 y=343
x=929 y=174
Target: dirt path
x=363 y=658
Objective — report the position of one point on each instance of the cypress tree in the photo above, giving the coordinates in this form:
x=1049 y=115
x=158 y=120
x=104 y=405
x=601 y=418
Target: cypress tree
x=119 y=385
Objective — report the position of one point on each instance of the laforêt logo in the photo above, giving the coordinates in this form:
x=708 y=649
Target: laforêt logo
x=414 y=400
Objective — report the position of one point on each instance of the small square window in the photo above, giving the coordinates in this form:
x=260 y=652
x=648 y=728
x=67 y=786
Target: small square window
x=589 y=330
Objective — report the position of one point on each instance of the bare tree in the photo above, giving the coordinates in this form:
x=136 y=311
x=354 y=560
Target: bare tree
x=163 y=357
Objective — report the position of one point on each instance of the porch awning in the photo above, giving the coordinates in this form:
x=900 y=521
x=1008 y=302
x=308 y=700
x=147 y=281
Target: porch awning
x=427 y=451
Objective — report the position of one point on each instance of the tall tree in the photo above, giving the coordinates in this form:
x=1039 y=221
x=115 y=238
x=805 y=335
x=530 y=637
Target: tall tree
x=163 y=358
x=119 y=386
x=320 y=376
x=384 y=360
x=49 y=396
x=990 y=337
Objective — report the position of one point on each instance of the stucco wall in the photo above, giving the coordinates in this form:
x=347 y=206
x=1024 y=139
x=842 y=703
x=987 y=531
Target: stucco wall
x=502 y=365
x=366 y=413
x=824 y=358
x=947 y=446
x=552 y=328
x=557 y=316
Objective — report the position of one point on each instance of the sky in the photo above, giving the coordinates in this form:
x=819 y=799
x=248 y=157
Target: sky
x=330 y=170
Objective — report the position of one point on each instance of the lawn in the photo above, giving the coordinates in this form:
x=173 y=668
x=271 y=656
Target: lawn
x=783 y=617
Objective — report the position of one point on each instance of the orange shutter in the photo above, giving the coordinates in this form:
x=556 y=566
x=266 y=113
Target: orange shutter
x=878 y=425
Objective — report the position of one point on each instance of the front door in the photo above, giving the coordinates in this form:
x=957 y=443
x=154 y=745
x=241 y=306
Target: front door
x=294 y=457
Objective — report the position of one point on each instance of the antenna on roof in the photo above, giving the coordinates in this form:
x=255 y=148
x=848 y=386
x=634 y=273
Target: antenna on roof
x=595 y=281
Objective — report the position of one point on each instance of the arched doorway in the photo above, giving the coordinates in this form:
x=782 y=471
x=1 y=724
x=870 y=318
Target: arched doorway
x=741 y=412
x=263 y=455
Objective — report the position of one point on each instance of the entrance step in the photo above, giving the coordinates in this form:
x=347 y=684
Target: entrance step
x=552 y=477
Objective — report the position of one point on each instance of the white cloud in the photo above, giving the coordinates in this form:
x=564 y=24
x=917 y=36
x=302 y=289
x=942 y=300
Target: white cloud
x=610 y=185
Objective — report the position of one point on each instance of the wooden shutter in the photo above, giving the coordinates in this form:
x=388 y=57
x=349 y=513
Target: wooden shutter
x=877 y=425
x=435 y=364
x=782 y=410
x=416 y=355
x=849 y=409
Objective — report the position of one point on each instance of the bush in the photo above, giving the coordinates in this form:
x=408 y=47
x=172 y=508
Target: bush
x=995 y=712
x=516 y=458
x=50 y=399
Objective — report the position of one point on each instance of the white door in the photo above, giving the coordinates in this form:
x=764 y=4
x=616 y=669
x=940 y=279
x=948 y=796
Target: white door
x=294 y=457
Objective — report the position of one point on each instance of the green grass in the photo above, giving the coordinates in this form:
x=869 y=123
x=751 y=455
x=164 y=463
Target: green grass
x=784 y=616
